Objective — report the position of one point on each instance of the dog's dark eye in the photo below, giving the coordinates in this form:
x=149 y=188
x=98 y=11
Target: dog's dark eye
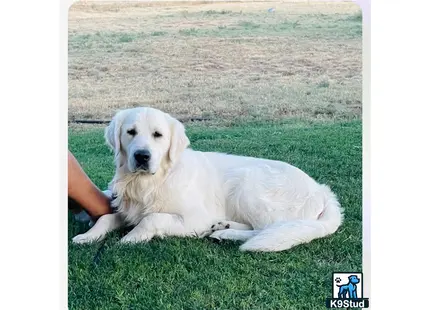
x=131 y=132
x=157 y=134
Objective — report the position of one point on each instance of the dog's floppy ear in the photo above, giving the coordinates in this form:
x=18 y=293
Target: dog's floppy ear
x=178 y=139
x=113 y=132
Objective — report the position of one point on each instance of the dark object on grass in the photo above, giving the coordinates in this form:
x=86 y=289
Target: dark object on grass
x=100 y=121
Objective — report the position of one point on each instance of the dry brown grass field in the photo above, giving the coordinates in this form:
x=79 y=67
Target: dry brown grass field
x=216 y=60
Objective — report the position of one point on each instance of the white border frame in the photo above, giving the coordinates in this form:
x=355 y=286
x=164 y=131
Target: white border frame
x=365 y=6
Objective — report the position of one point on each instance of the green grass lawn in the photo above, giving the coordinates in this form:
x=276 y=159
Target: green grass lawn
x=186 y=273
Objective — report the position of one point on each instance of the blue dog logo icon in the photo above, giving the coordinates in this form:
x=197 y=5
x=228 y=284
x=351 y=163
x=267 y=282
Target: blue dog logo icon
x=348 y=290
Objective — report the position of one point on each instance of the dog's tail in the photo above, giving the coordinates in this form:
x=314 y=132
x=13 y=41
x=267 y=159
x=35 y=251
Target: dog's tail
x=284 y=235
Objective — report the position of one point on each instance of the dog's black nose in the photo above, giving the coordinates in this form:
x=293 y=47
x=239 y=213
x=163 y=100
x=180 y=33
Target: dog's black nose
x=142 y=157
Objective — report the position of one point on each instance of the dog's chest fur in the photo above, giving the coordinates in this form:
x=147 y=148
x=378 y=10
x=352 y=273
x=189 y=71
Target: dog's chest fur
x=137 y=197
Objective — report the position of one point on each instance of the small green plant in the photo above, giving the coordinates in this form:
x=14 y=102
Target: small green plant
x=249 y=25
x=158 y=33
x=323 y=84
x=125 y=38
x=213 y=12
x=189 y=32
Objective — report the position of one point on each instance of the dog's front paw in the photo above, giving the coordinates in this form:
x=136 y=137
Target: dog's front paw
x=85 y=238
x=214 y=227
x=135 y=238
x=220 y=226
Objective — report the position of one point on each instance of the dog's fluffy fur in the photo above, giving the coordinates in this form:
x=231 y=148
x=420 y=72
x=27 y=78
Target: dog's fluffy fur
x=270 y=205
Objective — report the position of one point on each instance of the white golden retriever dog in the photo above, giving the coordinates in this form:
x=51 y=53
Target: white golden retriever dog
x=163 y=188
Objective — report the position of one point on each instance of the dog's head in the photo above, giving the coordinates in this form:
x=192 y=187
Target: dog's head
x=144 y=139
x=354 y=279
